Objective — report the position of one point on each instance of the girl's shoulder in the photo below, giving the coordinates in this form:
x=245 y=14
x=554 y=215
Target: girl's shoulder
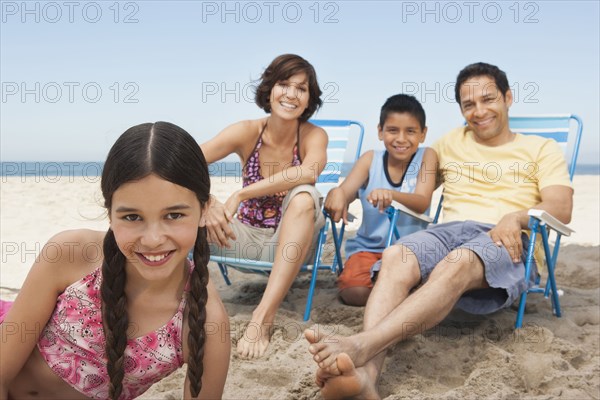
x=79 y=243
x=73 y=254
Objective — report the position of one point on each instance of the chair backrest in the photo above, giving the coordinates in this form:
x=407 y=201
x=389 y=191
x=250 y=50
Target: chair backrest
x=345 y=143
x=565 y=129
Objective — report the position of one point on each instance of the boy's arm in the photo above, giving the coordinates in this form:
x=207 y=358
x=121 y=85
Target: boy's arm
x=339 y=198
x=418 y=201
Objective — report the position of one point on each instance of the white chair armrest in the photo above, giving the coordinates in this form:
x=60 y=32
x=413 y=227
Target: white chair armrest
x=351 y=217
x=549 y=220
x=406 y=210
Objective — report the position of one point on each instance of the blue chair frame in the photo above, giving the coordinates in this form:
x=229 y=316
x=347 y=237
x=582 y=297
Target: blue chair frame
x=337 y=157
x=567 y=130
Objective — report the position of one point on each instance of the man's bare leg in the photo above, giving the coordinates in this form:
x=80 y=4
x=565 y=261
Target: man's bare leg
x=392 y=287
x=297 y=227
x=460 y=271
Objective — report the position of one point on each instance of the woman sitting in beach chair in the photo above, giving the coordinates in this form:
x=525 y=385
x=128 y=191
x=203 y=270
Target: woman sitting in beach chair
x=278 y=209
x=111 y=325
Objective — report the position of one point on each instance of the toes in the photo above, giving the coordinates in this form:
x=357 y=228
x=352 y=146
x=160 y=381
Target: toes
x=241 y=350
x=333 y=369
x=311 y=336
x=262 y=350
x=316 y=349
x=328 y=361
x=344 y=363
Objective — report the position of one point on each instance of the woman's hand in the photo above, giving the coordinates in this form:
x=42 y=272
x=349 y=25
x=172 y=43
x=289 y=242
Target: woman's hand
x=218 y=218
x=233 y=202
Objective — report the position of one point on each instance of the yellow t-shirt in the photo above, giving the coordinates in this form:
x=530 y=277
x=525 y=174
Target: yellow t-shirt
x=484 y=183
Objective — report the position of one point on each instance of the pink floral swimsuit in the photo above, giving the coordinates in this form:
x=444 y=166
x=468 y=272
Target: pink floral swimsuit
x=73 y=344
x=265 y=211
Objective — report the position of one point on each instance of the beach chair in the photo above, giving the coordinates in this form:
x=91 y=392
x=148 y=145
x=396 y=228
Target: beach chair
x=345 y=142
x=398 y=213
x=566 y=130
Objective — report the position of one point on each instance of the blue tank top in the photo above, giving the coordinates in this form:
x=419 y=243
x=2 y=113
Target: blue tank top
x=373 y=231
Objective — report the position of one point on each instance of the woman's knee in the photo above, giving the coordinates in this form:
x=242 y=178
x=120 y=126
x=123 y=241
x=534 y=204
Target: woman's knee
x=301 y=203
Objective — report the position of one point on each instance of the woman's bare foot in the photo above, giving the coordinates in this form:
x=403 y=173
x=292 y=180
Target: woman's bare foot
x=325 y=348
x=256 y=338
x=350 y=383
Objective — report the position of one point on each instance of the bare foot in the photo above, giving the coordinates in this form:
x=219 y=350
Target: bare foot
x=254 y=342
x=325 y=348
x=351 y=383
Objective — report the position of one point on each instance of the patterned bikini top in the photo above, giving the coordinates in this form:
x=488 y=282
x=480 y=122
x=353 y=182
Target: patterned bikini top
x=73 y=344
x=265 y=211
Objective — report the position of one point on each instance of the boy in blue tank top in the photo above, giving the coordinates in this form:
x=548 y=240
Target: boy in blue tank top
x=402 y=172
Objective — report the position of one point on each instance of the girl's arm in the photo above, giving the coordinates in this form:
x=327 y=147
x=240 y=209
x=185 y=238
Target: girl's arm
x=216 y=349
x=418 y=201
x=313 y=163
x=339 y=198
x=56 y=267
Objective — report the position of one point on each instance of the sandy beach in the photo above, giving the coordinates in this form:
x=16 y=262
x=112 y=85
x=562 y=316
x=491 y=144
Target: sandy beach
x=466 y=356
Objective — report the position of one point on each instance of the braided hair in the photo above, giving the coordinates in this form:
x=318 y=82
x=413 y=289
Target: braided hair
x=167 y=151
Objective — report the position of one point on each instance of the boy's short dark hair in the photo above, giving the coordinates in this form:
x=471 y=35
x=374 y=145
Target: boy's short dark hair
x=402 y=103
x=481 y=69
x=284 y=67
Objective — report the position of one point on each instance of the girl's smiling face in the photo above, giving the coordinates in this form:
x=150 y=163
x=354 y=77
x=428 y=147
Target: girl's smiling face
x=155 y=223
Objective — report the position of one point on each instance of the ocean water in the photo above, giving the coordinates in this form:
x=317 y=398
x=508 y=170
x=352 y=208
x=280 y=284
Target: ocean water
x=45 y=169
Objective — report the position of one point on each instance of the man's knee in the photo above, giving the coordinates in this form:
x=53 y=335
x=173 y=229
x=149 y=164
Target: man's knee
x=400 y=264
x=461 y=267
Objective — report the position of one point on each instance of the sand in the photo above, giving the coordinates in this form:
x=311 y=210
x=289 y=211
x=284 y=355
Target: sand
x=466 y=356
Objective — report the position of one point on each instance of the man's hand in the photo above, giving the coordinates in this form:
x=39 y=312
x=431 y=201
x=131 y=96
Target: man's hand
x=507 y=233
x=336 y=205
x=381 y=198
x=218 y=218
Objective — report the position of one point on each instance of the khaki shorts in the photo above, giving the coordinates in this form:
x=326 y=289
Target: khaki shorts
x=260 y=244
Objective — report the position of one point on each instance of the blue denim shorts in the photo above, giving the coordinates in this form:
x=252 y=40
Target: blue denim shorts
x=505 y=277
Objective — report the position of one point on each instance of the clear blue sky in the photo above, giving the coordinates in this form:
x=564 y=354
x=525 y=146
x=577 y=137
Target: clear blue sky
x=76 y=75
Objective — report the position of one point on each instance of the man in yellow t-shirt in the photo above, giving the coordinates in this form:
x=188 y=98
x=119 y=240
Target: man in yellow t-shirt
x=474 y=260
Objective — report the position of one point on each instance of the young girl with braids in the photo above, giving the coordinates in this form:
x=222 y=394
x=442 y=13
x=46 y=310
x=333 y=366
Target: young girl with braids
x=115 y=312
